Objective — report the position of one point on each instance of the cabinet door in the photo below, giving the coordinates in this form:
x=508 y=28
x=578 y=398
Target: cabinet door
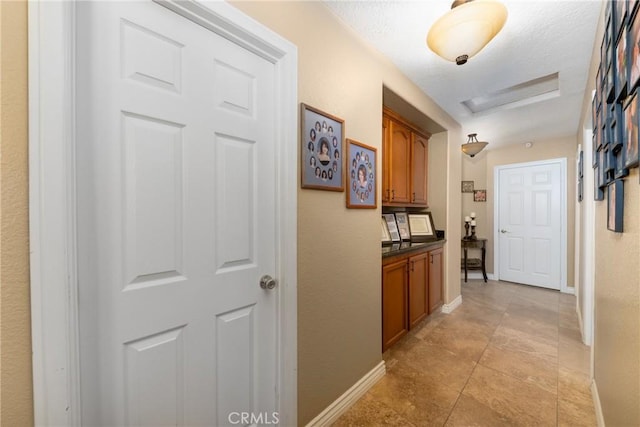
x=419 y=163
x=400 y=163
x=418 y=291
x=386 y=144
x=435 y=279
x=394 y=303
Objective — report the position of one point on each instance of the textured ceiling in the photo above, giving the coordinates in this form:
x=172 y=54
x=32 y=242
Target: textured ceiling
x=540 y=38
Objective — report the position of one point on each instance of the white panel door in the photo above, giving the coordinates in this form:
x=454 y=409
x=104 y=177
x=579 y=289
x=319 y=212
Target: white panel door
x=530 y=224
x=176 y=177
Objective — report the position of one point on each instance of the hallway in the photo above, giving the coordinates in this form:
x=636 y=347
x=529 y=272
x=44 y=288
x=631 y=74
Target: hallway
x=509 y=355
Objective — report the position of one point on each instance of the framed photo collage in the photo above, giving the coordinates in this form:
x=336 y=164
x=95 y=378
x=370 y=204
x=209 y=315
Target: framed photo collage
x=615 y=106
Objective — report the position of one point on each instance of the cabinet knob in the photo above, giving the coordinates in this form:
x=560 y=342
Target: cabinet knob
x=414 y=197
x=393 y=194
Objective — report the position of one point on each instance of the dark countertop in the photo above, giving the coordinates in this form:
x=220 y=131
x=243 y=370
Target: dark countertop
x=406 y=247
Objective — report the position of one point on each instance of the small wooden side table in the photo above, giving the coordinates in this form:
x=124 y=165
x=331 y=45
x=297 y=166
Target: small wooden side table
x=474 y=263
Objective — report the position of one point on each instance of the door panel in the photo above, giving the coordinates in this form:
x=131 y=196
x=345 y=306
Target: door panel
x=154 y=200
x=176 y=156
x=154 y=366
x=530 y=224
x=516 y=254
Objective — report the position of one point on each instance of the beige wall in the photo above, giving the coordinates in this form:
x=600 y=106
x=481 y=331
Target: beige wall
x=16 y=405
x=616 y=344
x=475 y=169
x=437 y=193
x=484 y=164
x=617 y=311
x=339 y=262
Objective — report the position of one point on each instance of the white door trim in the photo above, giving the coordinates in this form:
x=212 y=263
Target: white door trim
x=586 y=284
x=496 y=217
x=52 y=198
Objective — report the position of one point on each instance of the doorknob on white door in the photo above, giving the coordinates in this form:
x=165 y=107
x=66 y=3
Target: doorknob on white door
x=267 y=282
x=503 y=231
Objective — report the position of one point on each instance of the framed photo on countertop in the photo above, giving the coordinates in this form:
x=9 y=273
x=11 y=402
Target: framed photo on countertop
x=403 y=225
x=421 y=226
x=386 y=237
x=393 y=227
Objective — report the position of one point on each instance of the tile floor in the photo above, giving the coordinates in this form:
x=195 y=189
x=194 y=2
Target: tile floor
x=509 y=355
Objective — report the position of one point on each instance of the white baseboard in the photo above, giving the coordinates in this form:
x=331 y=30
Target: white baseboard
x=571 y=290
x=351 y=396
x=478 y=275
x=448 y=308
x=597 y=404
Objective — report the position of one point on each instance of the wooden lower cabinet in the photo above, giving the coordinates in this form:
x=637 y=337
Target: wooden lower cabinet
x=435 y=279
x=394 y=303
x=411 y=290
x=418 y=292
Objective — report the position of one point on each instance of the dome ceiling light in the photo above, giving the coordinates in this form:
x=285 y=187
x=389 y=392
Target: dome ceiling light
x=466 y=29
x=473 y=146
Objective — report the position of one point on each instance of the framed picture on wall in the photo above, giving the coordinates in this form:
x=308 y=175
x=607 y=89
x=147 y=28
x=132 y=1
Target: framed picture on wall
x=321 y=148
x=598 y=193
x=632 y=8
x=620 y=18
x=633 y=60
x=616 y=126
x=602 y=180
x=580 y=181
x=598 y=128
x=479 y=195
x=630 y=149
x=615 y=205
x=621 y=67
x=467 y=186
x=361 y=176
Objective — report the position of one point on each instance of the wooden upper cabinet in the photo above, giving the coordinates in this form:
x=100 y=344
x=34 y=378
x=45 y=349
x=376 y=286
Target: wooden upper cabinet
x=405 y=154
x=400 y=163
x=419 y=163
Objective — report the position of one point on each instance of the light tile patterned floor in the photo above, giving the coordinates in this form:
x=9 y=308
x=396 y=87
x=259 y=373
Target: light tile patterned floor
x=510 y=355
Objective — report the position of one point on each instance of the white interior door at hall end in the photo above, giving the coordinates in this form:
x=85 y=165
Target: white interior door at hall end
x=530 y=225
x=176 y=190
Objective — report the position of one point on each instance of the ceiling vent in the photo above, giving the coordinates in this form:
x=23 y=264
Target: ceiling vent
x=526 y=93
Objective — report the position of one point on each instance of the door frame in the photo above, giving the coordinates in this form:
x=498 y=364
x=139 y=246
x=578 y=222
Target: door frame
x=585 y=245
x=563 y=204
x=52 y=198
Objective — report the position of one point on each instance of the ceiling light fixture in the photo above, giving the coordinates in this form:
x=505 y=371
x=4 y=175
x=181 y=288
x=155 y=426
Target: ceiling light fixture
x=466 y=29
x=473 y=146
